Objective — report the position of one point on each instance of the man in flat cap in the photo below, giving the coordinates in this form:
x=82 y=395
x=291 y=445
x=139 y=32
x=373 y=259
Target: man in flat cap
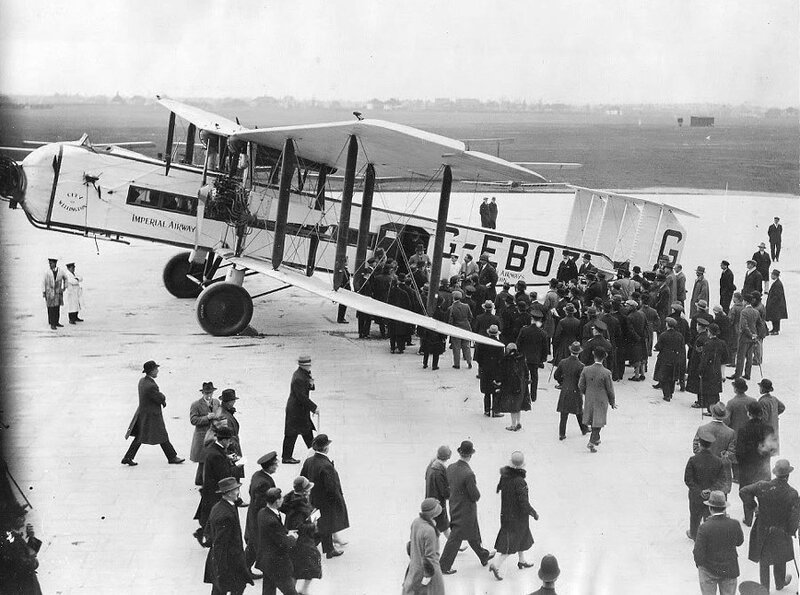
x=726 y=286
x=201 y=413
x=464 y=496
x=776 y=505
x=226 y=569
x=147 y=425
x=699 y=291
x=704 y=473
x=326 y=495
x=299 y=408
x=54 y=284
x=259 y=484
x=715 y=548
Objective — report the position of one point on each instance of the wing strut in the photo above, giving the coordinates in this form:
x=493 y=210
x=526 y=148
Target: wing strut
x=366 y=214
x=343 y=232
x=170 y=138
x=284 y=194
x=438 y=243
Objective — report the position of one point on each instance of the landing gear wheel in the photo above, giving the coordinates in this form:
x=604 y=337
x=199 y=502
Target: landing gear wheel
x=175 y=280
x=224 y=309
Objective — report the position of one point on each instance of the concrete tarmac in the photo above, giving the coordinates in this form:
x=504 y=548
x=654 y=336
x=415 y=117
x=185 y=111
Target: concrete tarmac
x=615 y=519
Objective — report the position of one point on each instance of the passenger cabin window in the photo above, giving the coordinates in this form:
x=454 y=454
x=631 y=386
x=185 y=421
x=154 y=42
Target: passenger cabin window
x=164 y=201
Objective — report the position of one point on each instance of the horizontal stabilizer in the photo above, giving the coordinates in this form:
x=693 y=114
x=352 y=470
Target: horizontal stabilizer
x=362 y=303
x=202 y=119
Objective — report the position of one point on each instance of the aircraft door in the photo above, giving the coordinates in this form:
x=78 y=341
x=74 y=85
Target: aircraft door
x=400 y=242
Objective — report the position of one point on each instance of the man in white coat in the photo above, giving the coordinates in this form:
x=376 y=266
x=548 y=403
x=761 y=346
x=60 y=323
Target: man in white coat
x=73 y=295
x=53 y=286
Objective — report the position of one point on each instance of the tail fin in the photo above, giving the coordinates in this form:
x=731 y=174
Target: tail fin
x=625 y=228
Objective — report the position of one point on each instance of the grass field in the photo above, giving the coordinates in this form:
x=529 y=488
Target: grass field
x=751 y=155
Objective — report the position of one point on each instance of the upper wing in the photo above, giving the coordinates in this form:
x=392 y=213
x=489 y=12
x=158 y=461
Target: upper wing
x=357 y=301
x=394 y=150
x=202 y=119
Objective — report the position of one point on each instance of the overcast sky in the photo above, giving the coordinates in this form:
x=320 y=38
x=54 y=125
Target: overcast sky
x=582 y=51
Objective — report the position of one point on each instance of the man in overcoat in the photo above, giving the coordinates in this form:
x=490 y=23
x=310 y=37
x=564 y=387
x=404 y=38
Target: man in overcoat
x=53 y=285
x=424 y=574
x=568 y=330
x=772 y=407
x=260 y=483
x=532 y=343
x=752 y=279
x=299 y=408
x=201 y=413
x=597 y=341
x=436 y=486
x=715 y=548
x=464 y=496
x=326 y=495
x=567 y=269
x=226 y=568
x=596 y=385
x=699 y=291
x=763 y=262
x=216 y=467
x=777 y=511
x=776 y=303
x=726 y=286
x=147 y=425
x=488 y=358
x=274 y=547
x=710 y=368
x=487 y=276
x=754 y=446
x=724 y=444
x=227 y=418
x=748 y=339
x=704 y=473
x=483 y=211
x=570 y=399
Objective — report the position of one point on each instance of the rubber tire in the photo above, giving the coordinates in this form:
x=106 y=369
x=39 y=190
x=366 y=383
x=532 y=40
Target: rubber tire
x=224 y=309
x=175 y=280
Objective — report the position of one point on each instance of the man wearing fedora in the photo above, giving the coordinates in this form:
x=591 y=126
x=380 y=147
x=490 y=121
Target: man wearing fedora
x=680 y=284
x=201 y=413
x=548 y=573
x=533 y=343
x=773 y=408
x=487 y=276
x=715 y=548
x=147 y=425
x=326 y=495
x=726 y=286
x=299 y=408
x=776 y=505
x=775 y=310
x=274 y=547
x=752 y=279
x=227 y=418
x=216 y=467
x=724 y=443
x=464 y=496
x=748 y=338
x=704 y=473
x=763 y=262
x=424 y=574
x=488 y=358
x=54 y=284
x=699 y=291
x=570 y=399
x=671 y=359
x=259 y=484
x=567 y=270
x=596 y=385
x=226 y=568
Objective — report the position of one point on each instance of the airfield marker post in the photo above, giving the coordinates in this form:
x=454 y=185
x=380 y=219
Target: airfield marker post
x=284 y=194
x=438 y=242
x=366 y=214
x=343 y=231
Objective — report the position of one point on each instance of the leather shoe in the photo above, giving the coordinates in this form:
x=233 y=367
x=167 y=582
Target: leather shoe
x=657 y=385
x=334 y=554
x=449 y=571
x=489 y=557
x=562 y=437
x=131 y=462
x=176 y=461
x=290 y=461
x=496 y=414
x=59 y=324
x=493 y=569
x=78 y=319
x=523 y=565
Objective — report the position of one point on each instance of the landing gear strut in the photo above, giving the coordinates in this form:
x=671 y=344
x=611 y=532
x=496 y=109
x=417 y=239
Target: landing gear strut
x=180 y=268
x=224 y=309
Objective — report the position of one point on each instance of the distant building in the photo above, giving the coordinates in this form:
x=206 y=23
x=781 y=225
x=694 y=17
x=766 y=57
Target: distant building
x=614 y=110
x=701 y=121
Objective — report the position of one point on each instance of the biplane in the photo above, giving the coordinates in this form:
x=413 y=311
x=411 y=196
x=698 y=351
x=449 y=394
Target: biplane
x=259 y=201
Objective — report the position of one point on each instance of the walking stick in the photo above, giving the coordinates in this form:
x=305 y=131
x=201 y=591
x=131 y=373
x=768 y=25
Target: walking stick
x=552 y=367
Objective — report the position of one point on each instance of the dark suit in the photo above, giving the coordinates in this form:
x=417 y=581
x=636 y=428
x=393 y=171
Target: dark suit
x=464 y=496
x=217 y=466
x=532 y=343
x=147 y=425
x=226 y=568
x=259 y=484
x=299 y=408
x=715 y=549
x=567 y=271
x=274 y=549
x=704 y=471
x=726 y=289
x=327 y=496
x=753 y=281
x=774 y=232
x=570 y=400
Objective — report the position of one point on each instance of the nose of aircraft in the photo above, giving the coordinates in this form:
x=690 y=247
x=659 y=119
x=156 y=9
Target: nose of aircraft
x=12 y=180
x=30 y=183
